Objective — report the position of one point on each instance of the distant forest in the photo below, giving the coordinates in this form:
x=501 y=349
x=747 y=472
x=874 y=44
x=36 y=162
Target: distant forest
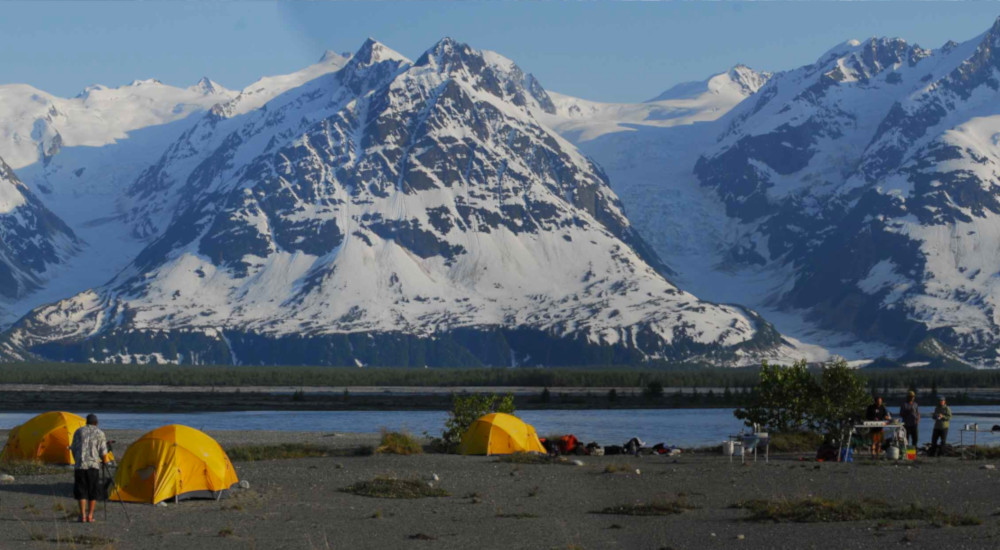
x=672 y=377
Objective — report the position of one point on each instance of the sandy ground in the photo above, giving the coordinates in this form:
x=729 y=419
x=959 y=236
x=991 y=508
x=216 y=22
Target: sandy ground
x=297 y=504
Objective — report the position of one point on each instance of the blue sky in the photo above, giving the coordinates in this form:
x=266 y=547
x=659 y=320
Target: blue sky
x=597 y=50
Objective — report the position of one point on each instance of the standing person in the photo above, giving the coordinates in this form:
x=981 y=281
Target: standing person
x=877 y=411
x=89 y=448
x=910 y=414
x=942 y=416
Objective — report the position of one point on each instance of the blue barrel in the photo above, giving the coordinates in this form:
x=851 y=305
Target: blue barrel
x=847 y=454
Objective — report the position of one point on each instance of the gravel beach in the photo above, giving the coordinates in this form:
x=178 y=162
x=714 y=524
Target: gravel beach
x=298 y=503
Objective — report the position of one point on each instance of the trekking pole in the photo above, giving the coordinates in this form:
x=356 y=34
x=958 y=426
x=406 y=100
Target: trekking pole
x=107 y=466
x=120 y=501
x=104 y=477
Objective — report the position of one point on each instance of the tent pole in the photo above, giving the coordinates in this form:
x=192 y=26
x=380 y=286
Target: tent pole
x=104 y=475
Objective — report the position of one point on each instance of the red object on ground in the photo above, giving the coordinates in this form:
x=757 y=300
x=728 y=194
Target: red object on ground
x=567 y=443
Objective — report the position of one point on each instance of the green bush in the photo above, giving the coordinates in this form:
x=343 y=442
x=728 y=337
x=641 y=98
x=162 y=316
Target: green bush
x=398 y=443
x=821 y=510
x=284 y=451
x=466 y=409
x=31 y=468
x=390 y=487
x=794 y=442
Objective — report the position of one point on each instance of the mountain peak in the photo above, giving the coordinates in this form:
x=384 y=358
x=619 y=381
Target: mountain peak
x=748 y=79
x=372 y=51
x=89 y=89
x=146 y=82
x=992 y=36
x=488 y=71
x=841 y=49
x=446 y=43
x=741 y=78
x=330 y=56
x=207 y=86
x=446 y=52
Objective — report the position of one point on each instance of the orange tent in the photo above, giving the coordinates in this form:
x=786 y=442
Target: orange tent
x=44 y=438
x=173 y=462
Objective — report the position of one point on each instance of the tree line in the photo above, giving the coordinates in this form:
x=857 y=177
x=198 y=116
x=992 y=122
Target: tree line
x=669 y=377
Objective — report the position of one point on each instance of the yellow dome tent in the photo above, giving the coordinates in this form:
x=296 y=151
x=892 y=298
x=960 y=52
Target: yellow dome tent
x=45 y=438
x=173 y=462
x=499 y=434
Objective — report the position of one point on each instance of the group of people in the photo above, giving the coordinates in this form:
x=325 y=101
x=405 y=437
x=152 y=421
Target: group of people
x=909 y=413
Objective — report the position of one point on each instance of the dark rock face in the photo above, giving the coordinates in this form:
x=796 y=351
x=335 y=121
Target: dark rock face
x=461 y=348
x=32 y=239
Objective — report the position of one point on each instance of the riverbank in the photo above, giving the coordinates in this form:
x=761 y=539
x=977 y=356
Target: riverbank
x=299 y=503
x=170 y=398
x=259 y=398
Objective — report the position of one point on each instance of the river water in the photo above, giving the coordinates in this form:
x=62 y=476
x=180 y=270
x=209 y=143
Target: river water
x=681 y=427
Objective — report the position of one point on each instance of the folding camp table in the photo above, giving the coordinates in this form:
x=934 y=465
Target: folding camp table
x=751 y=441
x=975 y=431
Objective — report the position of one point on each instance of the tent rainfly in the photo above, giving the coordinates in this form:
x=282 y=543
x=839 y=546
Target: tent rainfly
x=175 y=462
x=44 y=438
x=499 y=434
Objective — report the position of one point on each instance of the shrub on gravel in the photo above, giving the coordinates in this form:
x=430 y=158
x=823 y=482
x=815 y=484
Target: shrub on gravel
x=390 y=487
x=30 y=468
x=534 y=458
x=398 y=443
x=618 y=467
x=795 y=442
x=80 y=540
x=516 y=515
x=656 y=508
x=254 y=453
x=466 y=409
x=988 y=453
x=819 y=510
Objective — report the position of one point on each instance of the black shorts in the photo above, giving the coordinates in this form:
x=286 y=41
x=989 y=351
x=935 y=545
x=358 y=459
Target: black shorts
x=87 y=484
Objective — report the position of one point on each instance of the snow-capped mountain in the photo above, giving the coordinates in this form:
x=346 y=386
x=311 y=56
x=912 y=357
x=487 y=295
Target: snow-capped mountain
x=32 y=240
x=390 y=212
x=739 y=82
x=85 y=184
x=581 y=120
x=35 y=125
x=852 y=200
x=859 y=191
x=265 y=89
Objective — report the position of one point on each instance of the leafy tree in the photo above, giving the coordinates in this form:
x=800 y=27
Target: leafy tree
x=783 y=400
x=790 y=399
x=653 y=389
x=843 y=398
x=466 y=409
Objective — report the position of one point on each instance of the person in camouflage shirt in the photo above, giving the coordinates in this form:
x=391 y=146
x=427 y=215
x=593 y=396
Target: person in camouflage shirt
x=942 y=419
x=89 y=448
